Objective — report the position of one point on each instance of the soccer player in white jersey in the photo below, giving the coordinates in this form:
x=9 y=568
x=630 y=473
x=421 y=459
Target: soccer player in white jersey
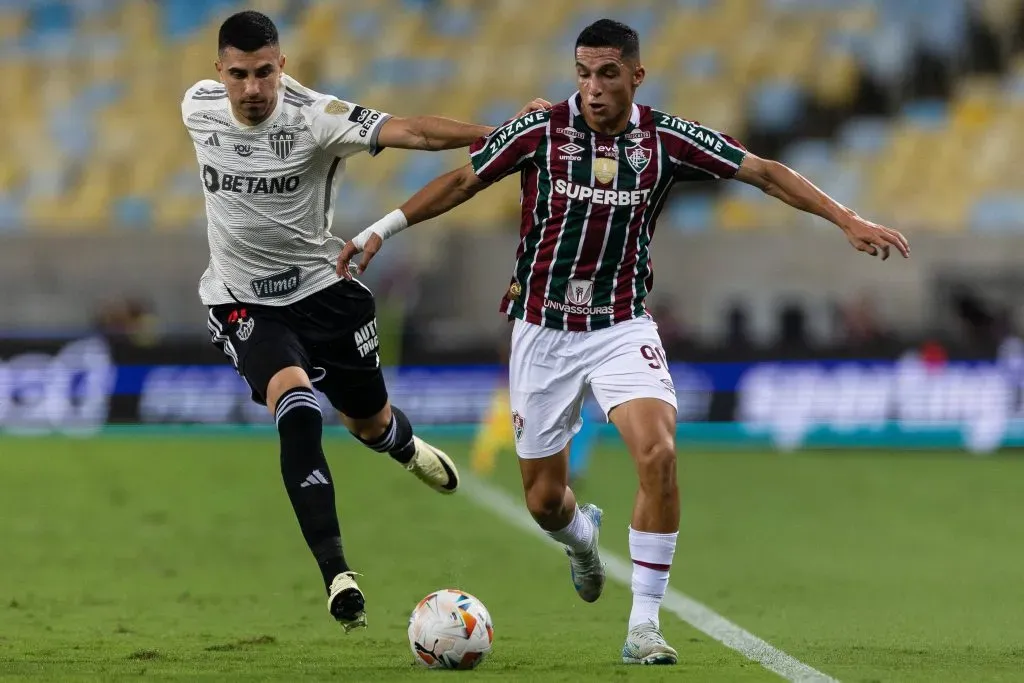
x=271 y=153
x=595 y=172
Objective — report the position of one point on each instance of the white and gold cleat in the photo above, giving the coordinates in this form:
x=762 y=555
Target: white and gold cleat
x=433 y=467
x=646 y=645
x=345 y=602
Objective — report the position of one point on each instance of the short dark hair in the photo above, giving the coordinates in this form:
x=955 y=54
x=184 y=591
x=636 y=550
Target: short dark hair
x=247 y=31
x=610 y=33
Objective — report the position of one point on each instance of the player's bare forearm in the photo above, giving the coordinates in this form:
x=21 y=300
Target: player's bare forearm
x=779 y=181
x=430 y=133
x=785 y=184
x=442 y=194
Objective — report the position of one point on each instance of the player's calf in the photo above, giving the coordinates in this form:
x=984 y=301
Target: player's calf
x=430 y=465
x=310 y=487
x=553 y=506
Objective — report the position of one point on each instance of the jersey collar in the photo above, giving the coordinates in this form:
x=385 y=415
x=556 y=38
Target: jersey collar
x=267 y=121
x=574 y=109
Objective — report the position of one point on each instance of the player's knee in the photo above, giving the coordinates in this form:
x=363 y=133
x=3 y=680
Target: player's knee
x=370 y=428
x=656 y=464
x=283 y=381
x=545 y=499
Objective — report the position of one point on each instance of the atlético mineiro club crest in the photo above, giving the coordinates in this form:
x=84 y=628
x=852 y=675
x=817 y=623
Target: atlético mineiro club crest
x=638 y=157
x=517 y=424
x=281 y=142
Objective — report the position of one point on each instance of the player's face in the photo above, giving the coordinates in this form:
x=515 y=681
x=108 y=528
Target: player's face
x=607 y=83
x=252 y=79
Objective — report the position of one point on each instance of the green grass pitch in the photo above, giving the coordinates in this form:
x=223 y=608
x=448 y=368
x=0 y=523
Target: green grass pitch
x=177 y=557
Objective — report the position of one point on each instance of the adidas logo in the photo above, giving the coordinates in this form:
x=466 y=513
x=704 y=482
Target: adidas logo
x=213 y=141
x=315 y=479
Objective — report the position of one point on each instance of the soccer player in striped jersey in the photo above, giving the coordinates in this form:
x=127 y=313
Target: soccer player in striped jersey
x=595 y=171
x=271 y=153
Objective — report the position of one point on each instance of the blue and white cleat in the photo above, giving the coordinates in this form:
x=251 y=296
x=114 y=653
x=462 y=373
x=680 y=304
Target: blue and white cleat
x=646 y=645
x=586 y=567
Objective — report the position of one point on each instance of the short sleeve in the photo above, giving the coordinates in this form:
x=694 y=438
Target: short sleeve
x=344 y=128
x=510 y=147
x=699 y=152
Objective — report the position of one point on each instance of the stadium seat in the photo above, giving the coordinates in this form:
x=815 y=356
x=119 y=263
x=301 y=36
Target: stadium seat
x=744 y=66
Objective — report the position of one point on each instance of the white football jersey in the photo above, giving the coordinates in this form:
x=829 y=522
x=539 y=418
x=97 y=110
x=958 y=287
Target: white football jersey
x=269 y=189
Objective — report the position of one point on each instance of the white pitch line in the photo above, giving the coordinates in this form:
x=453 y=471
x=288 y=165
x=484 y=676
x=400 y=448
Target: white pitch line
x=700 y=616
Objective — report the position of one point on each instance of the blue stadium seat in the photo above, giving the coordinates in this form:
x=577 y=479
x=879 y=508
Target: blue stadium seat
x=692 y=213
x=72 y=131
x=704 y=64
x=927 y=113
x=452 y=22
x=420 y=170
x=999 y=213
x=10 y=214
x=133 y=212
x=814 y=157
x=364 y=23
x=495 y=113
x=51 y=17
x=865 y=135
x=777 y=105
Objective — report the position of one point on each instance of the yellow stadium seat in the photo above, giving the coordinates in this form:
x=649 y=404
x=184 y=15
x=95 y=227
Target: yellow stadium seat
x=12 y=24
x=10 y=175
x=734 y=213
x=836 y=79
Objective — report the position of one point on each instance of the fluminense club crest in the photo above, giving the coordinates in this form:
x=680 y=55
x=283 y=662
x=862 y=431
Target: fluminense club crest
x=517 y=424
x=638 y=157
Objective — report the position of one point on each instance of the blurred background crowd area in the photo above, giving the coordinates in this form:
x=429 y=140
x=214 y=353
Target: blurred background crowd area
x=908 y=110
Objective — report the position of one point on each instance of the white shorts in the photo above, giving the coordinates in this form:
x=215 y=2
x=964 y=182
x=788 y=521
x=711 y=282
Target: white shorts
x=549 y=370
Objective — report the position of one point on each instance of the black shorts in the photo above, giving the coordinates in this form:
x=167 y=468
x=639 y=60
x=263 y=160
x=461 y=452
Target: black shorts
x=331 y=334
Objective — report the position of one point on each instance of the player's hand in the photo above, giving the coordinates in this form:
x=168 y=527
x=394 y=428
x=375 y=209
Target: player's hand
x=874 y=239
x=538 y=104
x=373 y=245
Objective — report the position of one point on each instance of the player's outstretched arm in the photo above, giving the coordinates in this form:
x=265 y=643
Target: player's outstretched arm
x=440 y=195
x=435 y=133
x=783 y=183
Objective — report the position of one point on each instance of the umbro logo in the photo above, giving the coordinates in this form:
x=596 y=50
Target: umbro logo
x=570 y=152
x=213 y=141
x=316 y=478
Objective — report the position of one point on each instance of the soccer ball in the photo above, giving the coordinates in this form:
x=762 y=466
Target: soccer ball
x=450 y=629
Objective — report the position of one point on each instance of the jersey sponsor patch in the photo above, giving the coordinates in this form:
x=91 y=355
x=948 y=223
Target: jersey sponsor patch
x=336 y=107
x=216 y=181
x=578 y=310
x=593 y=195
x=605 y=170
x=366 y=118
x=276 y=285
x=366 y=339
x=579 y=292
x=570 y=152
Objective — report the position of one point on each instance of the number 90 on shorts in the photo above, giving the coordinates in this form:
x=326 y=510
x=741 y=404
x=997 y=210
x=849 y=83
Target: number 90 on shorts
x=550 y=371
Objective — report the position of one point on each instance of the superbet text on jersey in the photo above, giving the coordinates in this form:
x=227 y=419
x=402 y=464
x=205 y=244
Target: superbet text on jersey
x=589 y=207
x=269 y=189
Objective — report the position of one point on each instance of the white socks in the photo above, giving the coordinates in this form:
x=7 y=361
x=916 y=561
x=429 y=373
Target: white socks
x=578 y=536
x=652 y=557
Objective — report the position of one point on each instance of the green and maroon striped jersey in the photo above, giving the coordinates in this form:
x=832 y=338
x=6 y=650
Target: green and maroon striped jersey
x=589 y=206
